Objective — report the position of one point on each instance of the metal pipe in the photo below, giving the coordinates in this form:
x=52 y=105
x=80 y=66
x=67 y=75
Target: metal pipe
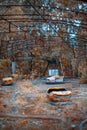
x=36 y=116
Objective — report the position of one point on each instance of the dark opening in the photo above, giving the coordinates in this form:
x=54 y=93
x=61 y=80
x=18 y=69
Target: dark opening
x=54 y=89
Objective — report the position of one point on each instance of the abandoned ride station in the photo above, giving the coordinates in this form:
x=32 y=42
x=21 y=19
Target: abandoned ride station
x=43 y=65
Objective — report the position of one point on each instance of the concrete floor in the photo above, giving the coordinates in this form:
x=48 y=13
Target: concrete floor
x=22 y=104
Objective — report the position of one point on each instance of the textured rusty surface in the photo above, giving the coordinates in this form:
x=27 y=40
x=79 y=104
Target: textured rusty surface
x=25 y=105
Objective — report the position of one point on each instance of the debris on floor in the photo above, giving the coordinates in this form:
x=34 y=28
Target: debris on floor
x=26 y=103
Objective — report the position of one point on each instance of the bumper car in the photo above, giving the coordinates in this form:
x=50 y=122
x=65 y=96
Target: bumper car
x=57 y=94
x=55 y=79
x=7 y=81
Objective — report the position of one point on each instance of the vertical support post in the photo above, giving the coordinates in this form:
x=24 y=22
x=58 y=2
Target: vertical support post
x=13 y=67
